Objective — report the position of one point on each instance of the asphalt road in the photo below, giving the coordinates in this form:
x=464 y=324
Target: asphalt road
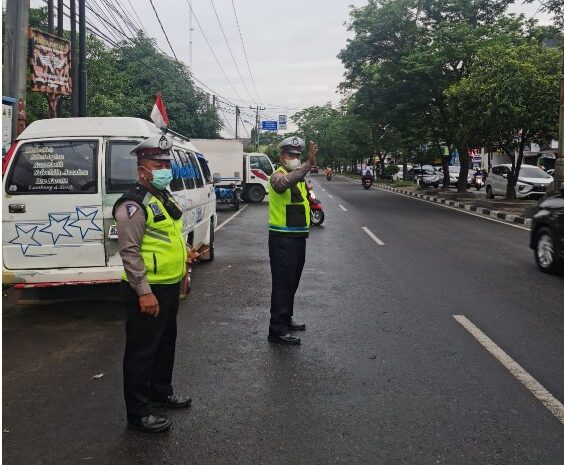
x=384 y=375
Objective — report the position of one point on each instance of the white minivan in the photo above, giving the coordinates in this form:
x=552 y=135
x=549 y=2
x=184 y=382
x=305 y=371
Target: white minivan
x=61 y=179
x=533 y=182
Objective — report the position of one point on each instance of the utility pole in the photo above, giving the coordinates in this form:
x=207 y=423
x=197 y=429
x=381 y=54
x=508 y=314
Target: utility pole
x=60 y=17
x=237 y=113
x=15 y=57
x=190 y=31
x=60 y=32
x=257 y=126
x=50 y=21
x=82 y=84
x=74 y=60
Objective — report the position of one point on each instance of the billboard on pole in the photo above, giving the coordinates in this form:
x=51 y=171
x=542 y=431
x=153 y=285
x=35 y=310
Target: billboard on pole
x=50 y=61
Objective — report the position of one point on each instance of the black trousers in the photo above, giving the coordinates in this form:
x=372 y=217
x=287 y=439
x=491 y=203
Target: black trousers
x=149 y=348
x=287 y=258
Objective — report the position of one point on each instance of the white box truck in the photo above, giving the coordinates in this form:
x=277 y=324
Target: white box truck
x=249 y=171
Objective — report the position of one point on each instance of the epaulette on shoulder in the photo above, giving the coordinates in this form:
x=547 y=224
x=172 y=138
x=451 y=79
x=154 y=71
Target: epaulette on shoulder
x=139 y=194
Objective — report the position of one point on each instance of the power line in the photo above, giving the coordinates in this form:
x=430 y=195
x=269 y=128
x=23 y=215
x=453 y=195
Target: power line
x=245 y=51
x=229 y=48
x=211 y=49
x=162 y=27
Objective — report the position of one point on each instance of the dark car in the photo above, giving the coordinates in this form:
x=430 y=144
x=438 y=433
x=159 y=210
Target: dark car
x=314 y=169
x=547 y=234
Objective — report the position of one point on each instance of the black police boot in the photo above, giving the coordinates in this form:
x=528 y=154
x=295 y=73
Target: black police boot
x=285 y=339
x=149 y=423
x=295 y=326
x=173 y=401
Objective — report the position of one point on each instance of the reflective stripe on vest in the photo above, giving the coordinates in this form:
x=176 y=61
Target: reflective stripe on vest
x=163 y=247
x=289 y=214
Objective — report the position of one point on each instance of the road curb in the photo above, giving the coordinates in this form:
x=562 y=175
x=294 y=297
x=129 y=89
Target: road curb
x=498 y=214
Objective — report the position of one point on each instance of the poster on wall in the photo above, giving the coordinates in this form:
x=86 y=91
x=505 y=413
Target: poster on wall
x=50 y=62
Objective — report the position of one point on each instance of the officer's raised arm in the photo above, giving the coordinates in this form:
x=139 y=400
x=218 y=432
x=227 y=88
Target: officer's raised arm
x=294 y=171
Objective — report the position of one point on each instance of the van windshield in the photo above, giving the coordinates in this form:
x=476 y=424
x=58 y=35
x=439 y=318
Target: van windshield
x=54 y=167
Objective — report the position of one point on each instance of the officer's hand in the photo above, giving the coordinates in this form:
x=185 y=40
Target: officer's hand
x=149 y=304
x=193 y=256
x=312 y=153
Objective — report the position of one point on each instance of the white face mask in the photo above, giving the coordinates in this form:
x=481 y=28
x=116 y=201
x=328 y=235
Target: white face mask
x=292 y=164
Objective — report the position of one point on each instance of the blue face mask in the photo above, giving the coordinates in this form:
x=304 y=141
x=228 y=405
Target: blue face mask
x=161 y=178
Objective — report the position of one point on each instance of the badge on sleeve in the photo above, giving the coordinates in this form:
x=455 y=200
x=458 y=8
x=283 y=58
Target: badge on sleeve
x=131 y=209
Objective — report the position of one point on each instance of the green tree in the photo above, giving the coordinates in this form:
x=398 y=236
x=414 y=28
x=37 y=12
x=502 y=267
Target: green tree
x=509 y=99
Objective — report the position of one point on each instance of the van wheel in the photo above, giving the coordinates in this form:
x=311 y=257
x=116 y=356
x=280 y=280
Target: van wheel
x=489 y=193
x=255 y=194
x=211 y=253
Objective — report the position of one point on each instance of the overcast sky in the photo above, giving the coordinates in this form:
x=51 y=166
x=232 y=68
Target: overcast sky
x=291 y=46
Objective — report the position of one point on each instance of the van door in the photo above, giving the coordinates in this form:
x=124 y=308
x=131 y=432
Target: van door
x=209 y=187
x=52 y=208
x=201 y=198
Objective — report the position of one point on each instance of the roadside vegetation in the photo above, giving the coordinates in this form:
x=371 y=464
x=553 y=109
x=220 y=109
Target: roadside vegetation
x=426 y=78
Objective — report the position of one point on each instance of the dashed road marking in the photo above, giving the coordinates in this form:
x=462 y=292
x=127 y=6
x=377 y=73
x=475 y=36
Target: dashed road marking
x=230 y=218
x=372 y=236
x=343 y=208
x=323 y=190
x=537 y=389
x=330 y=196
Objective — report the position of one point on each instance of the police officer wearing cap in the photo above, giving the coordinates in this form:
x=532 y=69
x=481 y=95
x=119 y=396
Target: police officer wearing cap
x=154 y=256
x=288 y=229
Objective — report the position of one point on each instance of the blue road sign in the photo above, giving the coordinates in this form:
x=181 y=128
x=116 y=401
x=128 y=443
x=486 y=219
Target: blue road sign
x=269 y=125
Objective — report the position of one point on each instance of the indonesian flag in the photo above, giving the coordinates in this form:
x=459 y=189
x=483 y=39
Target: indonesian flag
x=158 y=114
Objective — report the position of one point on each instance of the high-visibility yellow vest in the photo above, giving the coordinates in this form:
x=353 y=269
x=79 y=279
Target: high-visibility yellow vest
x=163 y=247
x=289 y=211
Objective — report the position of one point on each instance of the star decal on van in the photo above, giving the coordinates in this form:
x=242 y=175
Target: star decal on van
x=57 y=227
x=25 y=237
x=89 y=217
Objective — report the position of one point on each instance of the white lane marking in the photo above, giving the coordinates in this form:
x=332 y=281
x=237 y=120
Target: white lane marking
x=330 y=196
x=537 y=389
x=343 y=208
x=458 y=210
x=231 y=217
x=323 y=190
x=372 y=236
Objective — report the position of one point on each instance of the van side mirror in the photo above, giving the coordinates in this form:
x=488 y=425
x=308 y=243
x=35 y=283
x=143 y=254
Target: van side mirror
x=216 y=178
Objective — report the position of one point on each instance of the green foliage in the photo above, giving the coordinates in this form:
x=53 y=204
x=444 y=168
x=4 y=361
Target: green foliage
x=391 y=170
x=406 y=56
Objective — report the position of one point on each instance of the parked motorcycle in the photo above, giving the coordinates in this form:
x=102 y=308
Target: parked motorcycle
x=230 y=196
x=367 y=182
x=317 y=215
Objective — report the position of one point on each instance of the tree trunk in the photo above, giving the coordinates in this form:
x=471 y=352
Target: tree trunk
x=462 y=185
x=513 y=176
x=446 y=173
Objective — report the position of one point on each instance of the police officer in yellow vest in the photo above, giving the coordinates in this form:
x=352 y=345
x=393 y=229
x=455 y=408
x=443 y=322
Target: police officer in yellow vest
x=288 y=230
x=154 y=255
